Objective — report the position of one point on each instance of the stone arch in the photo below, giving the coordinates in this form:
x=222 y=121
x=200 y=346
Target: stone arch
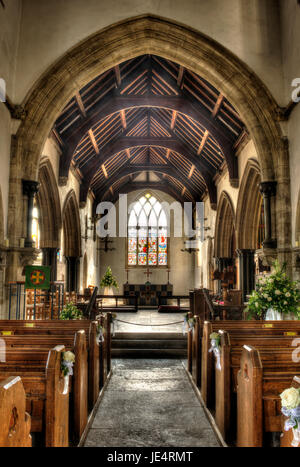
x=71 y=226
x=225 y=227
x=48 y=203
x=249 y=207
x=149 y=34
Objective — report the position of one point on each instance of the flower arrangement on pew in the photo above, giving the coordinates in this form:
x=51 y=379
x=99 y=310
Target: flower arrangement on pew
x=290 y=402
x=276 y=292
x=67 y=362
x=100 y=335
x=215 y=348
x=189 y=322
x=70 y=311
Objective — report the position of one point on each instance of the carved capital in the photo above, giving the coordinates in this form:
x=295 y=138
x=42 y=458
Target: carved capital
x=268 y=189
x=30 y=188
x=62 y=181
x=28 y=256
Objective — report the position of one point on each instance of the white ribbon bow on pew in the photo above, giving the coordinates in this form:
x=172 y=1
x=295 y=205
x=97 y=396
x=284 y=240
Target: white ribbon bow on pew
x=214 y=347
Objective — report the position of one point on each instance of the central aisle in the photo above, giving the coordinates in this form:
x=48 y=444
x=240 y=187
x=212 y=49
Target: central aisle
x=150 y=403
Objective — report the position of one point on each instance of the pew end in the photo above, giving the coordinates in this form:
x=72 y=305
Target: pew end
x=80 y=393
x=15 y=422
x=57 y=402
x=223 y=387
x=249 y=399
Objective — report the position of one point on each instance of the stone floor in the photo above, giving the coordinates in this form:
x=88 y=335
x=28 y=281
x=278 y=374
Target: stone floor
x=149 y=321
x=150 y=403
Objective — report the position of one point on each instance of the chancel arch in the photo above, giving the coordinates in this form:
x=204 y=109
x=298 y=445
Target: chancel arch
x=144 y=35
x=72 y=240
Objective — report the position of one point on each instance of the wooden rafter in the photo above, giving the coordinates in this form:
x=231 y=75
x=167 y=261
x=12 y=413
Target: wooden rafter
x=118 y=76
x=180 y=77
x=217 y=105
x=202 y=144
x=104 y=171
x=173 y=121
x=93 y=141
x=123 y=119
x=80 y=104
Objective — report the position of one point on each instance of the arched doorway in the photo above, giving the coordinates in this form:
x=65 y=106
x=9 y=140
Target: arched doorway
x=145 y=35
x=72 y=241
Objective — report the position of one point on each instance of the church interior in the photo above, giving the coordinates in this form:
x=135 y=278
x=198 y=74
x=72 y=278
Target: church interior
x=149 y=224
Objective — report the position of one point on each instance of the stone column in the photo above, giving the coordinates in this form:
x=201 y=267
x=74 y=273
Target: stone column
x=30 y=189
x=268 y=189
x=72 y=263
x=50 y=259
x=246 y=271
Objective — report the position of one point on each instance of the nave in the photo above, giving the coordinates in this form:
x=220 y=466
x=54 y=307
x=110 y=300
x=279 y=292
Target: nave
x=150 y=403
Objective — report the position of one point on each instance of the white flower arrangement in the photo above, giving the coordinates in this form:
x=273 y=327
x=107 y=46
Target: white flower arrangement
x=290 y=402
x=276 y=292
x=189 y=322
x=67 y=362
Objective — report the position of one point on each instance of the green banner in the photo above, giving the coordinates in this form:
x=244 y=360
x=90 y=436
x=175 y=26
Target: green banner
x=37 y=277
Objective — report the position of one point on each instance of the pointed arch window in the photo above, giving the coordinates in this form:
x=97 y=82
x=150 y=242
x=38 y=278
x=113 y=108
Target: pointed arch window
x=147 y=233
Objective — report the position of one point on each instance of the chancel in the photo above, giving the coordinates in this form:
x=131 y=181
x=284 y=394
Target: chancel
x=149 y=224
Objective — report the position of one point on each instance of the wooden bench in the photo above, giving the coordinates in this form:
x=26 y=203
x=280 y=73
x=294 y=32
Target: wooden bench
x=98 y=353
x=260 y=380
x=203 y=364
x=15 y=422
x=275 y=353
x=46 y=400
x=79 y=388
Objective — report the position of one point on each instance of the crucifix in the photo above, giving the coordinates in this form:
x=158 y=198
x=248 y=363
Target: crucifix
x=148 y=273
x=168 y=271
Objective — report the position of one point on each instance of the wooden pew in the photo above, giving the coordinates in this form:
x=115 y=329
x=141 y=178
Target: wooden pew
x=79 y=388
x=99 y=356
x=15 y=422
x=259 y=384
x=46 y=400
x=255 y=328
x=276 y=355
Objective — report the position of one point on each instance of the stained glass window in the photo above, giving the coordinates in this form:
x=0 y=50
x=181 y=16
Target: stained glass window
x=147 y=233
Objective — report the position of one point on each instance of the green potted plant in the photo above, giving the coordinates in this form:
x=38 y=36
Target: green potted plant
x=275 y=297
x=108 y=281
x=70 y=311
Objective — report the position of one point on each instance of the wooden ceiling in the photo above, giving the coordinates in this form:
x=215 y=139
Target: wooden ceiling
x=148 y=115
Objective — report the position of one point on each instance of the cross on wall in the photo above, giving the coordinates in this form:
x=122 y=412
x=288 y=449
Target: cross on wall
x=148 y=273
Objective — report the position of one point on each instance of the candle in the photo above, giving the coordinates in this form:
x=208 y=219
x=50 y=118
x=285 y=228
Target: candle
x=22 y=242
x=6 y=242
x=297 y=243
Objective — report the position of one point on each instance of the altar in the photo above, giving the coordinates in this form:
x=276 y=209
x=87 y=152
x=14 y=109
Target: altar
x=148 y=294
